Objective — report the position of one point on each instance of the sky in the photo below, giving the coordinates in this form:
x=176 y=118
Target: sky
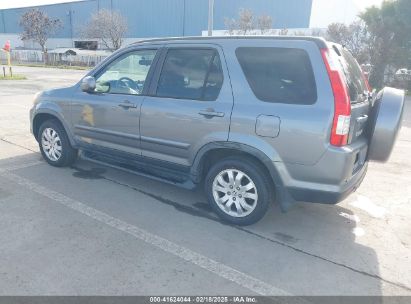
x=323 y=13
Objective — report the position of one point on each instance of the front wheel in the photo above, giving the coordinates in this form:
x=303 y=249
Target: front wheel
x=238 y=190
x=55 y=145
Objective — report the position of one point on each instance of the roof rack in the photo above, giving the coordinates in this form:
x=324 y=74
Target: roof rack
x=321 y=42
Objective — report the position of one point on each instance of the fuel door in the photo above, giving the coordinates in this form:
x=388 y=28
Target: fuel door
x=267 y=126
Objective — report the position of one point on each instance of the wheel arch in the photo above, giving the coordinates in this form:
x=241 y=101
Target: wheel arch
x=41 y=116
x=212 y=152
x=220 y=150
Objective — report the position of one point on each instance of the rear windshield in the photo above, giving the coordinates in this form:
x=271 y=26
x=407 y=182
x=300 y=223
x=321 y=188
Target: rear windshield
x=353 y=75
x=281 y=75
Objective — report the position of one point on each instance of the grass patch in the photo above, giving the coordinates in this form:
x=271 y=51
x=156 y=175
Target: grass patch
x=14 y=77
x=63 y=67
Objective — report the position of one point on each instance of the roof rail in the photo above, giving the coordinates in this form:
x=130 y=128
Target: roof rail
x=321 y=42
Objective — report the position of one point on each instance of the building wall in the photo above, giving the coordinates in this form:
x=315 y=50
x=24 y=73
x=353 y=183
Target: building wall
x=162 y=18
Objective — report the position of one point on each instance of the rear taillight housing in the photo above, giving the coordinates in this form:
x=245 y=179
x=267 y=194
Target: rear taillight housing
x=342 y=104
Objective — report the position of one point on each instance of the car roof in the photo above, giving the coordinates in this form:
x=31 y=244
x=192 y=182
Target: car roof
x=320 y=42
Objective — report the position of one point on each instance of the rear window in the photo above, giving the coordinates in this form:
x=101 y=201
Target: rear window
x=279 y=75
x=353 y=74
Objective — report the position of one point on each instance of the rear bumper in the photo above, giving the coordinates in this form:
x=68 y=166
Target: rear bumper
x=329 y=197
x=337 y=173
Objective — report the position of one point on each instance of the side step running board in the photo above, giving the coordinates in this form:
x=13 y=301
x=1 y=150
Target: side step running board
x=177 y=179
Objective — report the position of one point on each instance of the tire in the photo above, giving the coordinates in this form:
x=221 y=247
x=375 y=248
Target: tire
x=62 y=154
x=247 y=206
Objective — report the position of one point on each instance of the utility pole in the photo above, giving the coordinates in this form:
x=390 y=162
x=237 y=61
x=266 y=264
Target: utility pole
x=210 y=17
x=70 y=12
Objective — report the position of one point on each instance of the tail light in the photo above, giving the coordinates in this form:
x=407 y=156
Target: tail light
x=342 y=105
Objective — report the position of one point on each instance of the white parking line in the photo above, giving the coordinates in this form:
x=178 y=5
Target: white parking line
x=186 y=254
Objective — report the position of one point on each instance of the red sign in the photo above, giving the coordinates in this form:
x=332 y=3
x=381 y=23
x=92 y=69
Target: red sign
x=7 y=46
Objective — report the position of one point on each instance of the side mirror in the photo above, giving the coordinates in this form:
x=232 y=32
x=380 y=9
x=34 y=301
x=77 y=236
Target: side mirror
x=88 y=84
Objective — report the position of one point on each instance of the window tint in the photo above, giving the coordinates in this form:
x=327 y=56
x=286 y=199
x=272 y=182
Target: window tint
x=127 y=74
x=191 y=74
x=353 y=76
x=282 y=75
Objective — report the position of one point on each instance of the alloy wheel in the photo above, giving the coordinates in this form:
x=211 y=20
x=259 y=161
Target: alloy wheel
x=235 y=193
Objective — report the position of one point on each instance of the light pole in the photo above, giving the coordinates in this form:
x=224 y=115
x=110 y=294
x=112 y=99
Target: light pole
x=210 y=17
x=69 y=13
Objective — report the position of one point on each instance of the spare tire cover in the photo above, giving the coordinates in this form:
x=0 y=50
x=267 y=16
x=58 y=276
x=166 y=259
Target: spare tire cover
x=385 y=124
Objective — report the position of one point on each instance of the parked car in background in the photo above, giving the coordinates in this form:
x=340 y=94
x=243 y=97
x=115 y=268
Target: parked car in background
x=402 y=79
x=403 y=72
x=253 y=120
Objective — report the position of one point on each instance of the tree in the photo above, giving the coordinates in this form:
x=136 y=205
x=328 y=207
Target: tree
x=338 y=33
x=389 y=28
x=231 y=25
x=283 y=32
x=246 y=21
x=246 y=24
x=107 y=26
x=382 y=38
x=37 y=26
x=265 y=23
x=359 y=41
x=354 y=37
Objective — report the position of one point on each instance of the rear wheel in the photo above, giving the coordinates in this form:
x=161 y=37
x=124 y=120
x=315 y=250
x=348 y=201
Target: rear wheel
x=238 y=190
x=55 y=145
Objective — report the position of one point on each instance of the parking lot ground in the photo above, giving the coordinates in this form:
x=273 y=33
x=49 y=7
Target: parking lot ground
x=95 y=230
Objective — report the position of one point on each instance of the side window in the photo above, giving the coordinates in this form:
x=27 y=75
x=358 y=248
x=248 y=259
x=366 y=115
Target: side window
x=127 y=74
x=281 y=75
x=191 y=74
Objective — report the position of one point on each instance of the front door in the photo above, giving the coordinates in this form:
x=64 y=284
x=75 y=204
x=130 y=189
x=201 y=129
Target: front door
x=189 y=104
x=109 y=116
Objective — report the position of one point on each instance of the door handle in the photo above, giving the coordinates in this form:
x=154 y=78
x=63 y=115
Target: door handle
x=362 y=119
x=127 y=105
x=211 y=113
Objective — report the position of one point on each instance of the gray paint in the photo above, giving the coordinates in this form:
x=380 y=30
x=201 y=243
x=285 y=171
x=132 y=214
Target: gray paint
x=181 y=121
x=291 y=141
x=267 y=126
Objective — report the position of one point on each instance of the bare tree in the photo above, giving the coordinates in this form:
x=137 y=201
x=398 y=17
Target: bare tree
x=107 y=26
x=231 y=25
x=246 y=21
x=317 y=33
x=283 y=32
x=265 y=23
x=359 y=42
x=354 y=37
x=338 y=32
x=37 y=26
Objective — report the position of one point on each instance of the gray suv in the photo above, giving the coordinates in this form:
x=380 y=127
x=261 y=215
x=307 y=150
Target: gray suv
x=253 y=119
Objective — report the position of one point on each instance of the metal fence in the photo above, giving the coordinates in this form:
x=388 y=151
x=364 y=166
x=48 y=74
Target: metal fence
x=53 y=59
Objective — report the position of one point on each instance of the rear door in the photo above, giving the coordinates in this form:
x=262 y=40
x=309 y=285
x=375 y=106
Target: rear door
x=357 y=90
x=189 y=104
